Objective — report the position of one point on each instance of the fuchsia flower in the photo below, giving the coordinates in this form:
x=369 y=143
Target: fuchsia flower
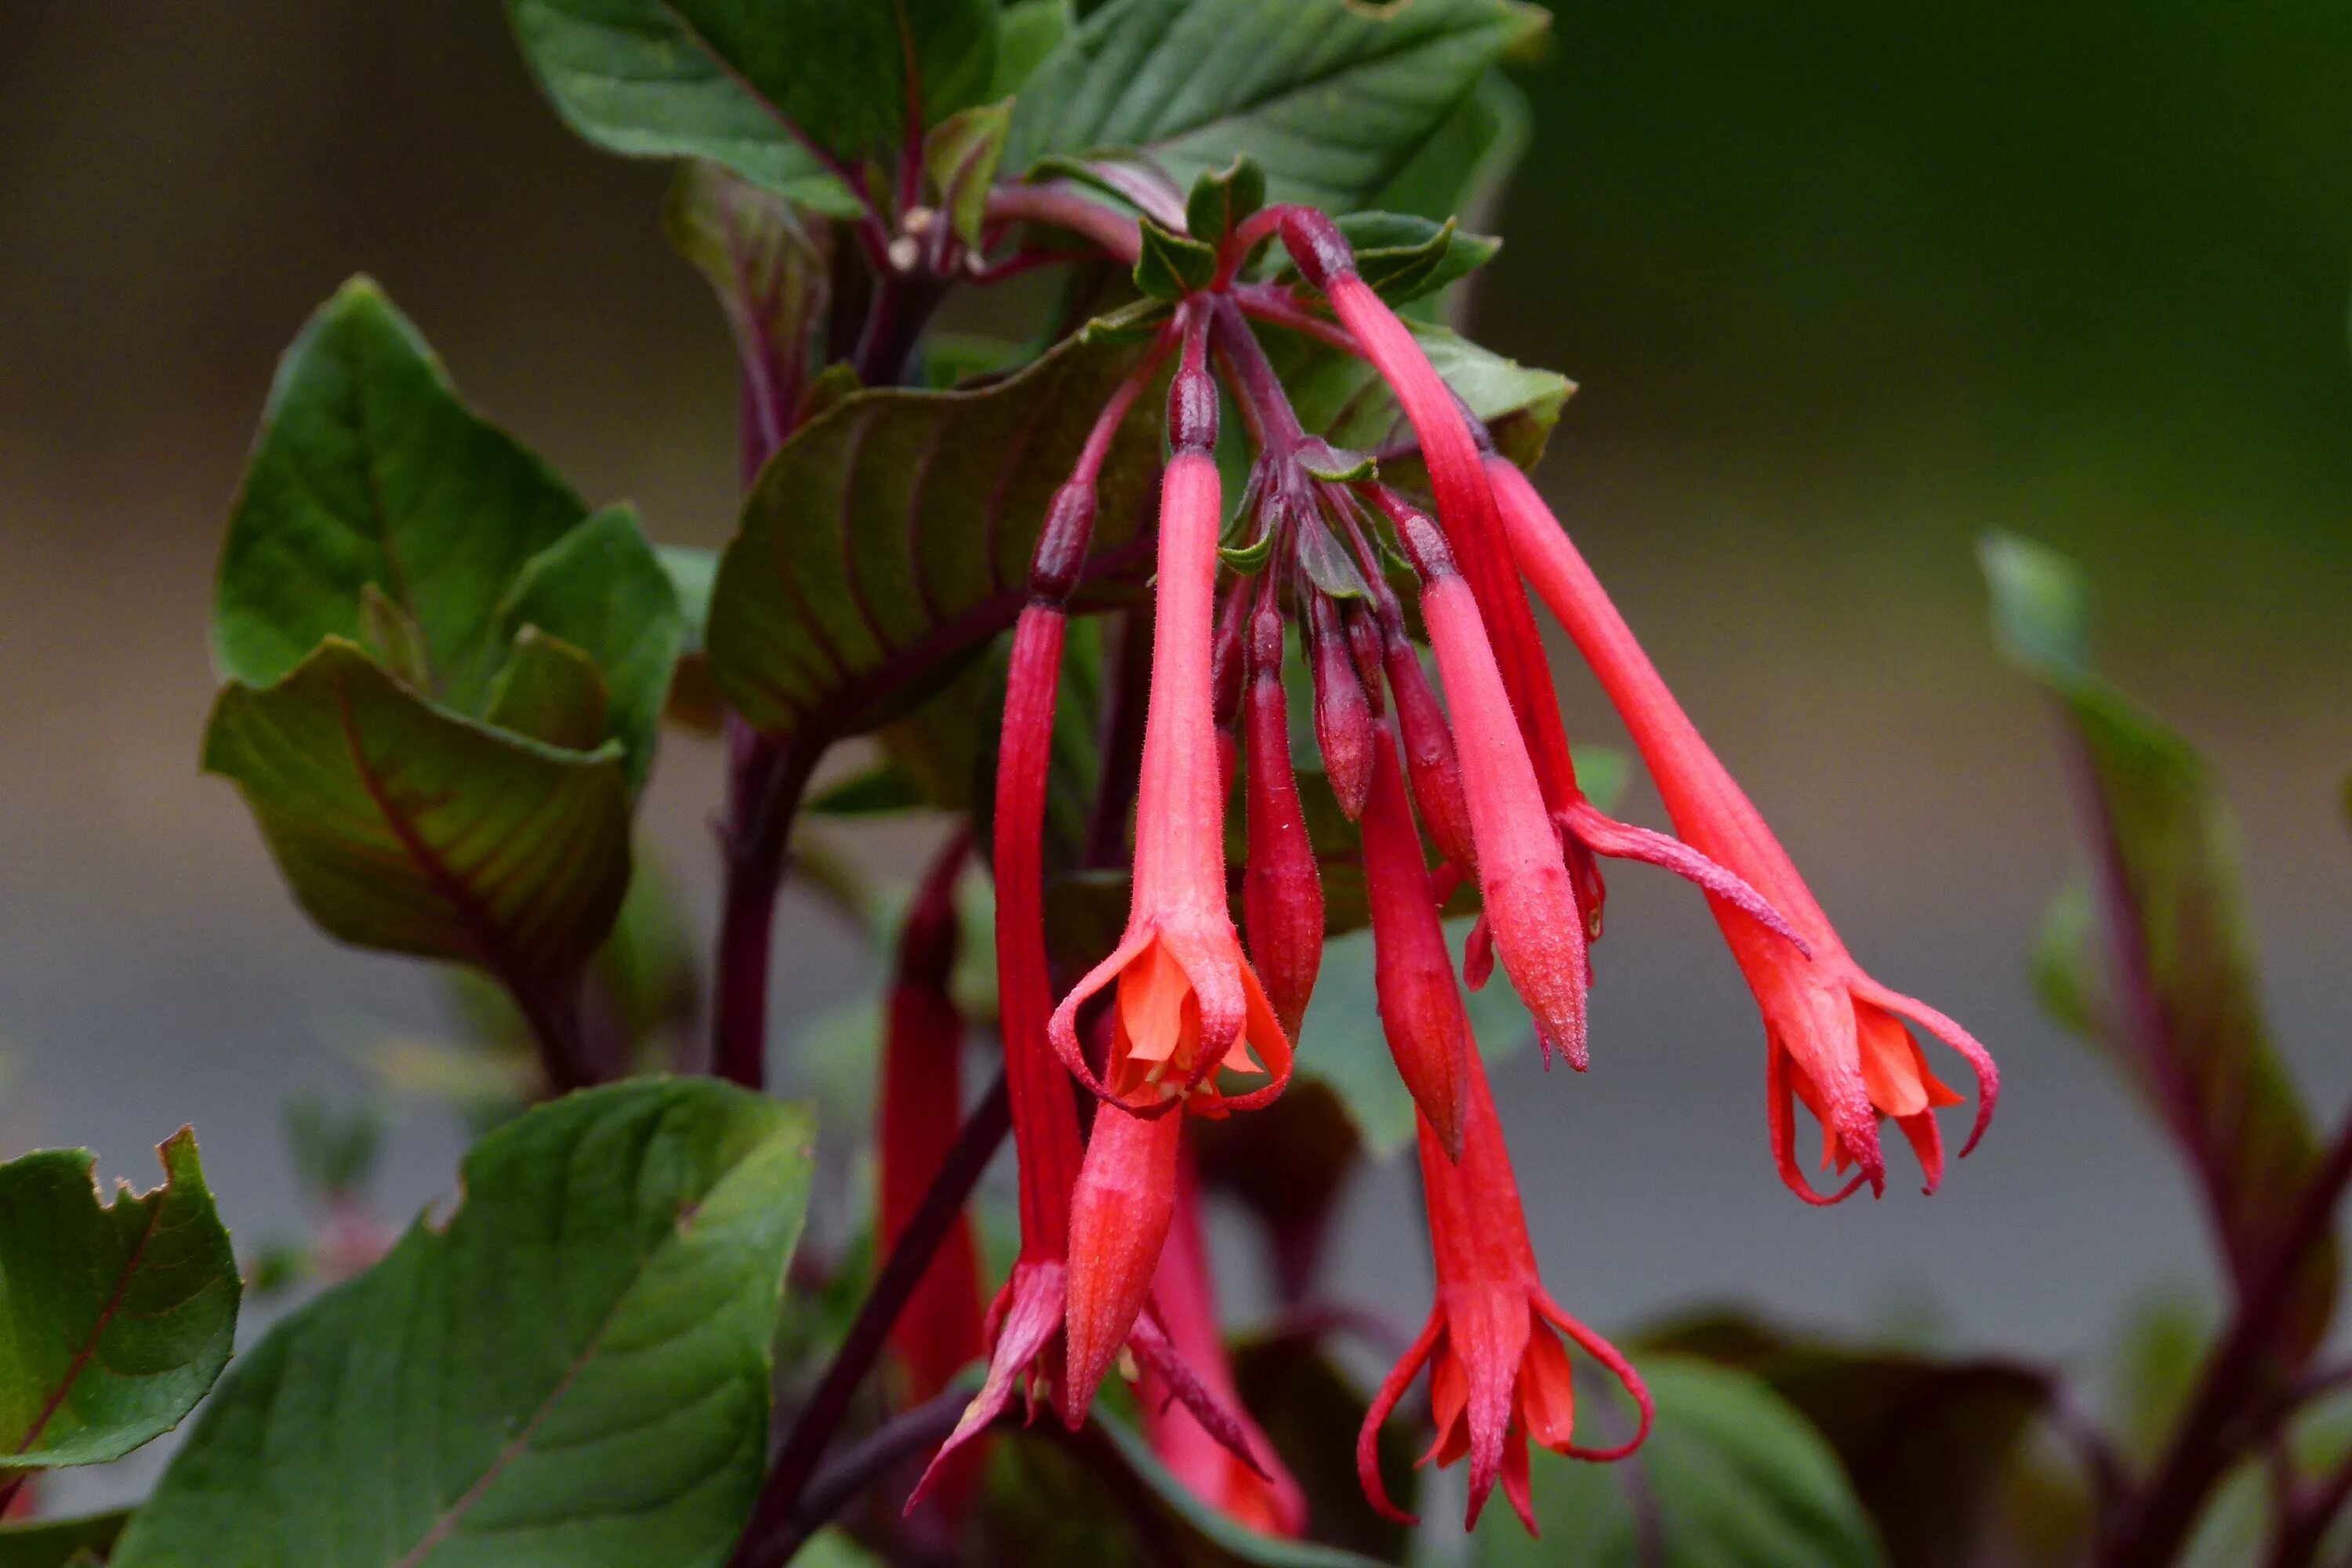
x=1282 y=891
x=1025 y=1325
x=1265 y=1498
x=1498 y=1375
x=1836 y=1038
x=1421 y=1003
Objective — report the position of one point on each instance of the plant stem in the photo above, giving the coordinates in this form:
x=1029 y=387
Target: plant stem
x=767 y=1539
x=1115 y=232
x=2213 y=1432
x=904 y=1436
x=765 y=778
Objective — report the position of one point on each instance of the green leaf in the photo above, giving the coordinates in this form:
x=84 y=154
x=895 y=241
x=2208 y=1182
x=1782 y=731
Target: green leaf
x=2182 y=1017
x=879 y=791
x=1731 y=1478
x=548 y=691
x=404 y=828
x=889 y=539
x=1403 y=257
x=1333 y=97
x=1223 y=199
x=1929 y=1444
x=1027 y=32
x=369 y=472
x=573 y=1371
x=1461 y=170
x=60 y=1543
x=1173 y=264
x=115 y=1317
x=961 y=156
x=692 y=573
x=1344 y=400
x=601 y=589
x=1340 y=1042
x=770 y=267
x=732 y=83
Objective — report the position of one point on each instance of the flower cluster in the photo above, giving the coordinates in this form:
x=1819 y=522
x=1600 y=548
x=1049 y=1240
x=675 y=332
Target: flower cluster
x=1188 y=1018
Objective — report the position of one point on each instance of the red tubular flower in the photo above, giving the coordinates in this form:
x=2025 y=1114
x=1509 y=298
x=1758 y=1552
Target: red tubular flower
x=1836 y=1037
x=1026 y=1321
x=1282 y=891
x=1343 y=718
x=1530 y=903
x=1188 y=1002
x=1266 y=1499
x=1430 y=759
x=1498 y=1375
x=922 y=1105
x=1420 y=1005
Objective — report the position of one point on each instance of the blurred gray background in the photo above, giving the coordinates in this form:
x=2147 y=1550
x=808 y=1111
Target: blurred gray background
x=1844 y=287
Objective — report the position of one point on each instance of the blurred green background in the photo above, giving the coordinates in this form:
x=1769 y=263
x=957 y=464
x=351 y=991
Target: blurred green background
x=1845 y=285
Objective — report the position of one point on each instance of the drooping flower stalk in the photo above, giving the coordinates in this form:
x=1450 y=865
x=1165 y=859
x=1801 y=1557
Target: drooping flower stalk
x=1498 y=1375
x=939 y=1329
x=1268 y=1498
x=1836 y=1037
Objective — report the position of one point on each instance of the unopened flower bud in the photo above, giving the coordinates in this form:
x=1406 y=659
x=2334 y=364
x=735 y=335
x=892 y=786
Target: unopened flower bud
x=1421 y=1006
x=1343 y=718
x=1429 y=756
x=1062 y=542
x=1282 y=891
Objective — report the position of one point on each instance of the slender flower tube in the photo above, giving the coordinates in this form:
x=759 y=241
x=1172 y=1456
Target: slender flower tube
x=1267 y=1499
x=1498 y=1375
x=1836 y=1037
x=1024 y=1325
x=1430 y=758
x=1421 y=1004
x=1522 y=875
x=922 y=1105
x=1282 y=891
x=1188 y=1004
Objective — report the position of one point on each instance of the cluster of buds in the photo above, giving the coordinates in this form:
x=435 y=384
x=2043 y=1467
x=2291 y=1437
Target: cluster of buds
x=1184 y=1019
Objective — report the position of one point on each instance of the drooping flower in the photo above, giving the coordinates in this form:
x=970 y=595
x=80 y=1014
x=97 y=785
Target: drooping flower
x=938 y=1330
x=1024 y=1325
x=1187 y=1005
x=1836 y=1038
x=1282 y=890
x=1268 y=1499
x=1413 y=974
x=1499 y=1376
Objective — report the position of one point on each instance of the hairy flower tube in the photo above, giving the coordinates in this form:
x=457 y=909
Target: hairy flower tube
x=1498 y=1375
x=1268 y=1499
x=938 y=1330
x=1282 y=891
x=1835 y=1039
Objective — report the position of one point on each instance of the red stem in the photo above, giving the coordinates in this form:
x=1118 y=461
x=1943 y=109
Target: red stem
x=1118 y=235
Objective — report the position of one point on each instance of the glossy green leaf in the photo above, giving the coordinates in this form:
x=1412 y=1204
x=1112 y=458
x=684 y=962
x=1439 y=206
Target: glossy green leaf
x=601 y=589
x=692 y=573
x=1461 y=170
x=60 y=1543
x=1173 y=264
x=961 y=156
x=1732 y=1477
x=742 y=84
x=1027 y=33
x=1929 y=1444
x=370 y=472
x=1340 y=1042
x=890 y=537
x=1343 y=399
x=2176 y=996
x=115 y=1317
x=571 y=1373
x=1223 y=198
x=404 y=828
x=1333 y=97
